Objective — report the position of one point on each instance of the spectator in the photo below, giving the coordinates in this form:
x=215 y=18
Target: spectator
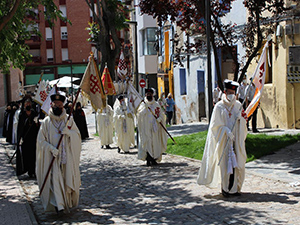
x=249 y=98
x=170 y=108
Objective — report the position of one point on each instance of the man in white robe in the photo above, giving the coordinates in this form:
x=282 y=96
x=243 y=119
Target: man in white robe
x=105 y=126
x=153 y=138
x=124 y=126
x=232 y=157
x=61 y=190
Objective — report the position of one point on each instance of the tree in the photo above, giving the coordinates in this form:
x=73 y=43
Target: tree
x=189 y=16
x=109 y=17
x=17 y=25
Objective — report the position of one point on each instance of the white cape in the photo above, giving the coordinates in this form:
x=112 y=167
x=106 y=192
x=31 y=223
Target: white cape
x=210 y=174
x=153 y=138
x=105 y=125
x=62 y=186
x=124 y=128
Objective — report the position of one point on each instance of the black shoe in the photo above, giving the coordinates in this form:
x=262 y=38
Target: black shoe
x=119 y=150
x=225 y=194
x=255 y=131
x=153 y=161
x=108 y=147
x=102 y=146
x=148 y=163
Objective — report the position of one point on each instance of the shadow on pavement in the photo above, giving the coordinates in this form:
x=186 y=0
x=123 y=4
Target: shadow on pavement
x=256 y=197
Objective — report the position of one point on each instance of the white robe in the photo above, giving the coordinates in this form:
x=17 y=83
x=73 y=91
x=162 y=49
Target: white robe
x=62 y=186
x=210 y=174
x=15 y=127
x=153 y=138
x=124 y=128
x=105 y=125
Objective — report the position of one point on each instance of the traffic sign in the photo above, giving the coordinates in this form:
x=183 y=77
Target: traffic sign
x=142 y=83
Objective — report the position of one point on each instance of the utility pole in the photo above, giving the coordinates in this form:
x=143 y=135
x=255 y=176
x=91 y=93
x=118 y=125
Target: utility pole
x=208 y=74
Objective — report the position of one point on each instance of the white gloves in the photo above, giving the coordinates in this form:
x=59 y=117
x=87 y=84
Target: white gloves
x=36 y=119
x=66 y=131
x=54 y=152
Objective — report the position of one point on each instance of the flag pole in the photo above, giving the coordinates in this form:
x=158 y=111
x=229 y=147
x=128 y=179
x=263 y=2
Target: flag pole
x=59 y=142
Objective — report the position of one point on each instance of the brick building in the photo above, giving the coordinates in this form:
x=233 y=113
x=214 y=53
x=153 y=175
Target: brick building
x=64 y=45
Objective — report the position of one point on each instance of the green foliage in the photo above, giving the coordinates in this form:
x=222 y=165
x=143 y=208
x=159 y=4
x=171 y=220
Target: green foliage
x=192 y=146
x=20 y=27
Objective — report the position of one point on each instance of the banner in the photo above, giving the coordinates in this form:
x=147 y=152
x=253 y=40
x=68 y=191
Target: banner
x=41 y=94
x=258 y=80
x=122 y=67
x=109 y=88
x=92 y=86
x=134 y=98
x=47 y=103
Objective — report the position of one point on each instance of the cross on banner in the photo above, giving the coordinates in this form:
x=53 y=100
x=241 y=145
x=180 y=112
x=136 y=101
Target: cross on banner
x=94 y=84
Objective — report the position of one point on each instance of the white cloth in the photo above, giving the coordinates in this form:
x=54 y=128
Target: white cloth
x=250 y=93
x=62 y=186
x=124 y=127
x=241 y=91
x=210 y=174
x=105 y=125
x=153 y=138
x=15 y=127
x=217 y=93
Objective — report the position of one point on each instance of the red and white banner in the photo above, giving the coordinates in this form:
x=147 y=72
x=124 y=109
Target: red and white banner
x=47 y=103
x=134 y=98
x=122 y=67
x=258 y=79
x=41 y=94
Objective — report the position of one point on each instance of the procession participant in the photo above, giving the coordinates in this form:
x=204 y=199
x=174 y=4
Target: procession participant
x=80 y=120
x=105 y=126
x=27 y=131
x=124 y=126
x=241 y=92
x=6 y=120
x=153 y=138
x=10 y=122
x=225 y=146
x=61 y=190
x=249 y=96
x=15 y=124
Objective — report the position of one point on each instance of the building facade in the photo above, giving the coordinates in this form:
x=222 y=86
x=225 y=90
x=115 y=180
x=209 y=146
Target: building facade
x=64 y=49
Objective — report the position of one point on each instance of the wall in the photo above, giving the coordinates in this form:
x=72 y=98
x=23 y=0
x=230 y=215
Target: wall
x=280 y=101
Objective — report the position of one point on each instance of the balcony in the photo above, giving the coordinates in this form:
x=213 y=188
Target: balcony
x=35 y=60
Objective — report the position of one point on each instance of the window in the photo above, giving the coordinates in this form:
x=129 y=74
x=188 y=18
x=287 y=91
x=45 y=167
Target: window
x=182 y=78
x=64 y=33
x=64 y=54
x=63 y=10
x=49 y=55
x=149 y=40
x=48 y=34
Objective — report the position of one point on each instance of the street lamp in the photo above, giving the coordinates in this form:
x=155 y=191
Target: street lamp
x=136 y=53
x=70 y=61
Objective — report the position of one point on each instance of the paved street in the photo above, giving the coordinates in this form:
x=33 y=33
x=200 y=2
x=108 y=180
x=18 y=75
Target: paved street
x=119 y=189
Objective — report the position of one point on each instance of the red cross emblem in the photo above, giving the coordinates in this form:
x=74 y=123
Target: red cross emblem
x=157 y=112
x=43 y=95
x=94 y=84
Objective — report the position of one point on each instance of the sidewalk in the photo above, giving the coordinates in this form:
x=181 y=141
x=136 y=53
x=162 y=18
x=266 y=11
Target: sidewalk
x=14 y=207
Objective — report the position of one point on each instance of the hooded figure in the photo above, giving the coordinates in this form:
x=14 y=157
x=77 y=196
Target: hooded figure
x=27 y=131
x=80 y=120
x=225 y=143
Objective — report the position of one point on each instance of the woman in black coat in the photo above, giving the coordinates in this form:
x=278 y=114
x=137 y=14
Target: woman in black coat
x=80 y=120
